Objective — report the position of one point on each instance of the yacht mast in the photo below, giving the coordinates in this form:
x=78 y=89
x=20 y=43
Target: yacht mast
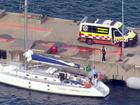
x=25 y=24
x=25 y=28
x=123 y=16
x=122 y=28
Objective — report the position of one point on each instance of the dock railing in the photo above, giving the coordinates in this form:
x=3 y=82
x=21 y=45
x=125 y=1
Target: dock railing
x=83 y=20
x=2 y=13
x=40 y=17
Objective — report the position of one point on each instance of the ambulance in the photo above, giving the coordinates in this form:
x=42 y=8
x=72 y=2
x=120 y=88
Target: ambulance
x=106 y=32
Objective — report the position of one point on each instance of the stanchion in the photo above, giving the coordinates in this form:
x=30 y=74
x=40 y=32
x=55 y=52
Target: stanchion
x=120 y=53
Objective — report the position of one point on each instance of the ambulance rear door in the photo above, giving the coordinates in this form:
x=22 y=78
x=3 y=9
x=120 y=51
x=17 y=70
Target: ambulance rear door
x=116 y=36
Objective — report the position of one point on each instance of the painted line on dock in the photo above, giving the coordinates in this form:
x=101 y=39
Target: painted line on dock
x=80 y=49
x=20 y=26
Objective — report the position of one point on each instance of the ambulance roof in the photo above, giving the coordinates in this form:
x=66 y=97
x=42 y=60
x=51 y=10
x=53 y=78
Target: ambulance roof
x=102 y=22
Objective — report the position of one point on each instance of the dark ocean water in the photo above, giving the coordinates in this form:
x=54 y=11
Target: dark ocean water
x=74 y=9
x=77 y=9
x=119 y=96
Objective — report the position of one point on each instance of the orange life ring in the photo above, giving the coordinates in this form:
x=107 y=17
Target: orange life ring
x=87 y=85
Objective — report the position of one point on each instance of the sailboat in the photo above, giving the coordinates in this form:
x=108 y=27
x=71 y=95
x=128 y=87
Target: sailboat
x=50 y=78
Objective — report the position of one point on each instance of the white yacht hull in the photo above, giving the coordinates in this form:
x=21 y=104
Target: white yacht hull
x=16 y=78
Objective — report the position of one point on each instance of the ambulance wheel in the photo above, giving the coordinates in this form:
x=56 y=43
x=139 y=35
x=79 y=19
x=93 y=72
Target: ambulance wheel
x=89 y=41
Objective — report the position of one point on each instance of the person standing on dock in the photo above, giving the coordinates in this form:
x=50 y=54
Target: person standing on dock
x=103 y=51
x=93 y=73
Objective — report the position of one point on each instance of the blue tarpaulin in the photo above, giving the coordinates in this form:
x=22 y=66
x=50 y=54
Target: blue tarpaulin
x=52 y=60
